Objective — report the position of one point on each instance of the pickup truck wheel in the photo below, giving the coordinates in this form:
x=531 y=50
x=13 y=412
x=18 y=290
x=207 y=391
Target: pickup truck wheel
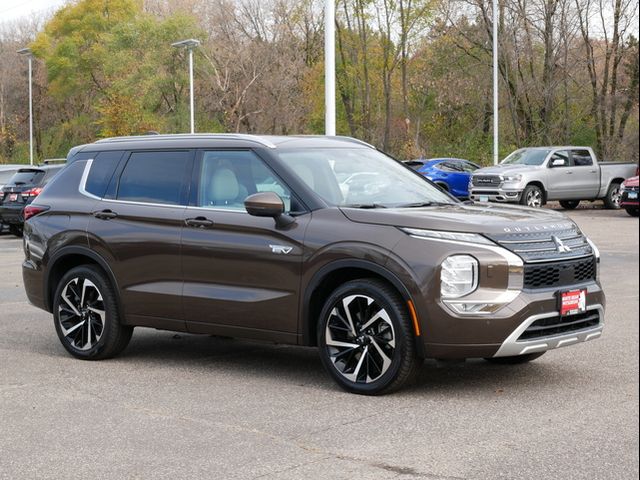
x=515 y=360
x=86 y=316
x=569 y=204
x=365 y=338
x=532 y=196
x=634 y=212
x=612 y=200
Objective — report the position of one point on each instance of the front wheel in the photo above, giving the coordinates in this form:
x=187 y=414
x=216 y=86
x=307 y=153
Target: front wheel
x=569 y=204
x=532 y=196
x=515 y=360
x=612 y=200
x=633 y=211
x=86 y=317
x=365 y=338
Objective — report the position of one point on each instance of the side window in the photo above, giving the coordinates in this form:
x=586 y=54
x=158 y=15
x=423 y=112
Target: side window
x=227 y=178
x=154 y=177
x=560 y=159
x=581 y=158
x=102 y=168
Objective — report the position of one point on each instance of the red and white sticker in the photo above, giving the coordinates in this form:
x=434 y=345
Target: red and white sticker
x=573 y=302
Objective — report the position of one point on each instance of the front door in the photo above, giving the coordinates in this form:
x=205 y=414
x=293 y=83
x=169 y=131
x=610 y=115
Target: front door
x=241 y=273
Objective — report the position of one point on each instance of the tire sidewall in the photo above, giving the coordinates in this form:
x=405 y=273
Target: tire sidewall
x=109 y=317
x=402 y=337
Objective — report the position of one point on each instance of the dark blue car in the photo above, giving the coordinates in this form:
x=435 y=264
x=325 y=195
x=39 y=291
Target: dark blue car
x=451 y=174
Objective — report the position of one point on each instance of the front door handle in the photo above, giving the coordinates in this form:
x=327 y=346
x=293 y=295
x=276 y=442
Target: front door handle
x=200 y=222
x=105 y=214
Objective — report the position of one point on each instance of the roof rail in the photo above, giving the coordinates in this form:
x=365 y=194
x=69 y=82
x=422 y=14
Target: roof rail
x=240 y=136
x=355 y=140
x=52 y=161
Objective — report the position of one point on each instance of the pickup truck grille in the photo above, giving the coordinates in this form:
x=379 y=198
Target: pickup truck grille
x=558 y=274
x=486 y=180
x=547 y=327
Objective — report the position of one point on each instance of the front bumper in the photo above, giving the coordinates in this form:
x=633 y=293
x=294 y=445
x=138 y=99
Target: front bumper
x=499 y=194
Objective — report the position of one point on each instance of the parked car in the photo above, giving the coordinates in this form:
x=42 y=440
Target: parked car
x=6 y=172
x=450 y=174
x=629 y=196
x=533 y=176
x=181 y=232
x=20 y=190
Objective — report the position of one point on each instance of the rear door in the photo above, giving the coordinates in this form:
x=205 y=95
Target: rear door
x=242 y=274
x=586 y=181
x=137 y=227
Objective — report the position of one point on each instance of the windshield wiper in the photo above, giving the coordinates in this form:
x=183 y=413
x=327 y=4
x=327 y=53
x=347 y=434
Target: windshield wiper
x=365 y=205
x=422 y=204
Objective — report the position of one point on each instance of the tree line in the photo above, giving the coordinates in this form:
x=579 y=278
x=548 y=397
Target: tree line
x=413 y=76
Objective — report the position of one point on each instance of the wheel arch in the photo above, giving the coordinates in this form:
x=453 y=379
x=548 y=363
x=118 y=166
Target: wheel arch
x=540 y=185
x=66 y=259
x=329 y=277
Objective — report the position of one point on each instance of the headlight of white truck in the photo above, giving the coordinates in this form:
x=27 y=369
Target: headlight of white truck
x=458 y=276
x=517 y=178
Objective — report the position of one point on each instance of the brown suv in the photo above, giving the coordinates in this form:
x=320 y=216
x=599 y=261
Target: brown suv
x=319 y=241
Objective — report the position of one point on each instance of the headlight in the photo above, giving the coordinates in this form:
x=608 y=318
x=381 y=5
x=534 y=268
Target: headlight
x=440 y=235
x=512 y=178
x=458 y=276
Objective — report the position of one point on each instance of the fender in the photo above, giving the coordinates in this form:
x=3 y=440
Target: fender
x=77 y=250
x=321 y=274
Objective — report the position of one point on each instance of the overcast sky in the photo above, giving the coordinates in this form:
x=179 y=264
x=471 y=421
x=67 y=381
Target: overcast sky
x=12 y=9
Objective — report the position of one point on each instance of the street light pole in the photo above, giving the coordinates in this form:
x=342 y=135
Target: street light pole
x=28 y=54
x=329 y=68
x=495 y=84
x=189 y=44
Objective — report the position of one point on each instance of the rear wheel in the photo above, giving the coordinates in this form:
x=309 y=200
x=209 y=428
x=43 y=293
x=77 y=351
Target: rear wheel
x=612 y=200
x=365 y=338
x=532 y=196
x=569 y=204
x=86 y=315
x=515 y=360
x=633 y=211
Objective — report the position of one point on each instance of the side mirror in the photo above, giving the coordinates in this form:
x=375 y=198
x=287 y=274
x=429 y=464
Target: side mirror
x=558 y=162
x=268 y=204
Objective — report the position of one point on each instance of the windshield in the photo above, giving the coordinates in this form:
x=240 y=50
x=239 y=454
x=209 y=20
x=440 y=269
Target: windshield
x=361 y=177
x=527 y=156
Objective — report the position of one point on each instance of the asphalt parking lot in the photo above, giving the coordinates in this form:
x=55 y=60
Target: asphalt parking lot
x=182 y=406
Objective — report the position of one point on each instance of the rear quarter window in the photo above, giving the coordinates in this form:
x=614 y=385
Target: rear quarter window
x=102 y=168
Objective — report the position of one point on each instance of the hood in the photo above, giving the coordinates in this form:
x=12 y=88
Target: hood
x=460 y=217
x=501 y=169
x=631 y=182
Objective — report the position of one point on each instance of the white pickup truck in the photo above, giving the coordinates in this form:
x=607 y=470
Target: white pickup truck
x=533 y=176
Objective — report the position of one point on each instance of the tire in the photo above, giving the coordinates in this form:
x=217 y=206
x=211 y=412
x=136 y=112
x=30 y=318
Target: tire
x=15 y=230
x=612 y=200
x=569 y=204
x=89 y=328
x=443 y=186
x=374 y=361
x=515 y=360
x=633 y=211
x=532 y=196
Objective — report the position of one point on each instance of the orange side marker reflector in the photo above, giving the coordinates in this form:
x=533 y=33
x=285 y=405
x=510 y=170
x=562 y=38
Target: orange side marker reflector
x=414 y=318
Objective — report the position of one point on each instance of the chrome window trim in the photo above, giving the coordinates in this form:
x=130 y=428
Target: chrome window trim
x=83 y=181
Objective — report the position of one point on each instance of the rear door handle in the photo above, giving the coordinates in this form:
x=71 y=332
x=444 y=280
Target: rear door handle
x=105 y=214
x=200 y=222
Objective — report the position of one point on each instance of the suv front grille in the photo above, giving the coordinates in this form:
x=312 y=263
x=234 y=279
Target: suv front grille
x=559 y=274
x=486 y=180
x=547 y=327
